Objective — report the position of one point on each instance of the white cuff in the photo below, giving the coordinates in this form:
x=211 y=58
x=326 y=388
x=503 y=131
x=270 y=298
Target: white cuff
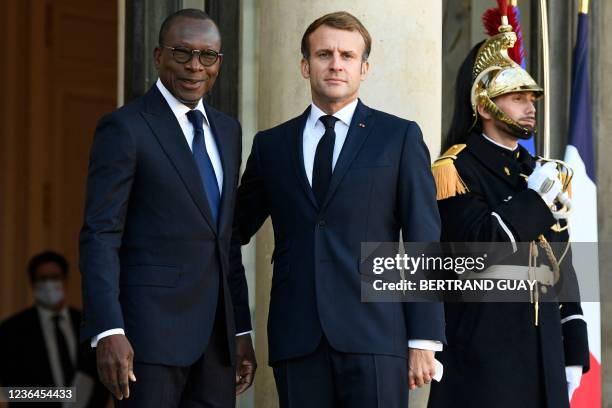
x=243 y=333
x=96 y=339
x=432 y=345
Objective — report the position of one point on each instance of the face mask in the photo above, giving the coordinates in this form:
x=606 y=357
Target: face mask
x=49 y=293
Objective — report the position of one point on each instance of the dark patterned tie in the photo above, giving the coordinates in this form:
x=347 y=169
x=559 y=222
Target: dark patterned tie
x=62 y=350
x=322 y=169
x=200 y=154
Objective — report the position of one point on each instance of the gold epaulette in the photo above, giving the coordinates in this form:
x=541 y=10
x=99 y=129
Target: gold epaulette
x=447 y=178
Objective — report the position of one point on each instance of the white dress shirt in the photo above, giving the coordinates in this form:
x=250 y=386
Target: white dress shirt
x=48 y=329
x=180 y=111
x=313 y=132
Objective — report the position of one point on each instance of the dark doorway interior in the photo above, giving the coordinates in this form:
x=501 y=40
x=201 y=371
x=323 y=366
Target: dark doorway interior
x=58 y=75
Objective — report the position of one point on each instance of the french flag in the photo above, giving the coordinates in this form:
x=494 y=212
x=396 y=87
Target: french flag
x=583 y=220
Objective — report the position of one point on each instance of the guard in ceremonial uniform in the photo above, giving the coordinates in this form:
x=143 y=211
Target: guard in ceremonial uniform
x=490 y=189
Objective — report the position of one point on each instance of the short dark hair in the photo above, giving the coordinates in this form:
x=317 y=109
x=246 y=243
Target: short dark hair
x=342 y=21
x=45 y=257
x=184 y=13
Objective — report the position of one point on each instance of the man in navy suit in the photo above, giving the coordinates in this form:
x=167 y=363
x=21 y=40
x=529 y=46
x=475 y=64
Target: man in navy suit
x=159 y=303
x=338 y=175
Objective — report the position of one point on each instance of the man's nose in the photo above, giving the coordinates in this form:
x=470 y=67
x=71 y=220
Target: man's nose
x=336 y=62
x=531 y=108
x=194 y=63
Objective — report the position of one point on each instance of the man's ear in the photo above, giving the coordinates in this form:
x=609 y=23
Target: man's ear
x=157 y=57
x=305 y=68
x=485 y=114
x=365 y=68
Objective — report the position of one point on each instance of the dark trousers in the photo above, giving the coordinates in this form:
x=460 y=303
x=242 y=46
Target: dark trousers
x=330 y=379
x=209 y=383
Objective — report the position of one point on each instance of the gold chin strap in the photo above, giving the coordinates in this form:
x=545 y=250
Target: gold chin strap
x=490 y=106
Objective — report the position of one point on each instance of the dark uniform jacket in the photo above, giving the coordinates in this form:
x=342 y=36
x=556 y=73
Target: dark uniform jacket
x=496 y=355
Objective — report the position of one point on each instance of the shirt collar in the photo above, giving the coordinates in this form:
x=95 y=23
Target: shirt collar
x=345 y=115
x=512 y=149
x=48 y=314
x=178 y=108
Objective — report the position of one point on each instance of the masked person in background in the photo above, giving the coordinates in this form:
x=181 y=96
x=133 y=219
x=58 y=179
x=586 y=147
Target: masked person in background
x=39 y=346
x=490 y=189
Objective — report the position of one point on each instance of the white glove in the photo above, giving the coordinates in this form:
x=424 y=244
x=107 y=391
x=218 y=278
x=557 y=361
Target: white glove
x=573 y=375
x=565 y=212
x=545 y=181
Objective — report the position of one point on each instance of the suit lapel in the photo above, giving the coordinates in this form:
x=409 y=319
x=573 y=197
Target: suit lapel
x=170 y=136
x=359 y=129
x=295 y=132
x=219 y=128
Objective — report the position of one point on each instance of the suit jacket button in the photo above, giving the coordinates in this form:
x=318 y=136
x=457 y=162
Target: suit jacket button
x=322 y=223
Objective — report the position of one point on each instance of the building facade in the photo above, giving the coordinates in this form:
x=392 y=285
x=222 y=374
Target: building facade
x=66 y=62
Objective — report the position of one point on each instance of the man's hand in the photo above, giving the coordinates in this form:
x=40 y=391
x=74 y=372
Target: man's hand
x=115 y=361
x=566 y=210
x=421 y=367
x=545 y=181
x=245 y=363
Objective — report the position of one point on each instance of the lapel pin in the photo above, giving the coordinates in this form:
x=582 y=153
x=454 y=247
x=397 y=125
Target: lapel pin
x=361 y=124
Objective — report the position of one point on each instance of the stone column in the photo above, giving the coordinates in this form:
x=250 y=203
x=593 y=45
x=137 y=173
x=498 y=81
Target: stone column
x=405 y=79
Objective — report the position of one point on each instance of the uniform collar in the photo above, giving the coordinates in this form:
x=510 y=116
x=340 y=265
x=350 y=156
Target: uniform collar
x=509 y=165
x=504 y=147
